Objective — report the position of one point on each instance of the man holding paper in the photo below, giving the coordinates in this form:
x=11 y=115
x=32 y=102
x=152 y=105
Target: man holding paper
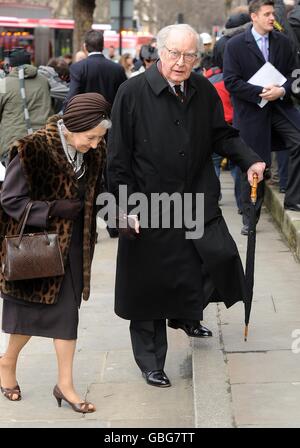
x=258 y=66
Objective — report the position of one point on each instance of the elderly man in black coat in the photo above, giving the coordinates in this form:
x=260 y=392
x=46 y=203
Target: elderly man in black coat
x=167 y=122
x=244 y=55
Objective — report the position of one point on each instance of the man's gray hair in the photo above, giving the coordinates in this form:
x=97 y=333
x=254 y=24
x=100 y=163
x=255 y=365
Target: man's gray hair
x=164 y=33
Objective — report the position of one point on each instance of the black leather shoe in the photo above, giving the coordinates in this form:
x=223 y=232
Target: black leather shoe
x=295 y=207
x=157 y=378
x=245 y=230
x=194 y=331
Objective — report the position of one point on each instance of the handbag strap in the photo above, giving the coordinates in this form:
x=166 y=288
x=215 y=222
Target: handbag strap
x=24 y=218
x=23 y=221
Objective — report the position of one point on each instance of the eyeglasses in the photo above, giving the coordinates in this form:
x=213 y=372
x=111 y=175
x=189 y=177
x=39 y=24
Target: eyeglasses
x=175 y=55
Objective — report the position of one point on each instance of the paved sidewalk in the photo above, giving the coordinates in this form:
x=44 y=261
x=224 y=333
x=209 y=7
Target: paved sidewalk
x=254 y=383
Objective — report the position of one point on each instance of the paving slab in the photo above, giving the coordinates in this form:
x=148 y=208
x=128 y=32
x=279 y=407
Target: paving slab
x=116 y=400
x=268 y=367
x=274 y=404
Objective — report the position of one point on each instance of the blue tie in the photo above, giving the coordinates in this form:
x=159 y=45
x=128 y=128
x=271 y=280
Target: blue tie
x=264 y=47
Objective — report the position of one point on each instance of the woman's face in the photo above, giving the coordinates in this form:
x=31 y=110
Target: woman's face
x=129 y=62
x=84 y=141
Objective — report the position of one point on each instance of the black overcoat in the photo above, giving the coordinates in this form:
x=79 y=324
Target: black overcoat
x=158 y=144
x=242 y=59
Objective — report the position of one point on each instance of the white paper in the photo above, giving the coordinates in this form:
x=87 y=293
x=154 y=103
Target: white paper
x=2 y=172
x=265 y=76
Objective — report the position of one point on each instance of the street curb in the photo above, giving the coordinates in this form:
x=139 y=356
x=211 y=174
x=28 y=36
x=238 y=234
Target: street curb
x=287 y=220
x=211 y=385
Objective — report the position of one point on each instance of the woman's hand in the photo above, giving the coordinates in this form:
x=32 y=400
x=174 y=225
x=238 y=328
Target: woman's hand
x=66 y=208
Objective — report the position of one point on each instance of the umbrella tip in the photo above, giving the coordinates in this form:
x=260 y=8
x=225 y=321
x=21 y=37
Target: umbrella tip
x=246 y=333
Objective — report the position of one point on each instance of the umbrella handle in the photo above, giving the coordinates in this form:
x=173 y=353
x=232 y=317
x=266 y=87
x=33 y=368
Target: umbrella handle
x=253 y=195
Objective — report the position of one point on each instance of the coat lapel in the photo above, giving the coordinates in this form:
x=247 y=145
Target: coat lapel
x=252 y=45
x=272 y=47
x=191 y=89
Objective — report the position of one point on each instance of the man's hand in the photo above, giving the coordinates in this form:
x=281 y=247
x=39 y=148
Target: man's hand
x=134 y=223
x=257 y=168
x=128 y=226
x=272 y=93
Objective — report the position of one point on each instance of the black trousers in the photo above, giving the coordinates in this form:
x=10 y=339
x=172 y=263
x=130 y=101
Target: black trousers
x=291 y=137
x=149 y=343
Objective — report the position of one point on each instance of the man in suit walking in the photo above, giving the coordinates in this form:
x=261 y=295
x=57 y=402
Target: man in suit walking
x=96 y=73
x=244 y=55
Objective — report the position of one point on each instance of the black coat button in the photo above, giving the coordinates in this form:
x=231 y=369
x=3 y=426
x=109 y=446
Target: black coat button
x=182 y=153
x=177 y=122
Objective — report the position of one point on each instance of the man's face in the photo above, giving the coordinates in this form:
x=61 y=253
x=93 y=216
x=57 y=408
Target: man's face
x=263 y=20
x=177 y=68
x=111 y=51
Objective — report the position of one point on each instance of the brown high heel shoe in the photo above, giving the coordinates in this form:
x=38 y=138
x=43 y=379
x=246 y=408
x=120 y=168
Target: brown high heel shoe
x=10 y=392
x=77 y=407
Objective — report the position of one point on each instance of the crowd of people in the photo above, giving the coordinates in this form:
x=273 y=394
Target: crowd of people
x=171 y=116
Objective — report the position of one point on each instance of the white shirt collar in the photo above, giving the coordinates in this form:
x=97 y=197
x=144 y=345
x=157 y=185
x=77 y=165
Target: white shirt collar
x=94 y=52
x=258 y=36
x=172 y=85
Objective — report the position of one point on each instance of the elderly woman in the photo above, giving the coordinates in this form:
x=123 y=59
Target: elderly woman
x=59 y=169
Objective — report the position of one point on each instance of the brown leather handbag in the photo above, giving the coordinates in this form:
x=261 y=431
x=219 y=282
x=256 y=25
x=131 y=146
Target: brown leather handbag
x=31 y=255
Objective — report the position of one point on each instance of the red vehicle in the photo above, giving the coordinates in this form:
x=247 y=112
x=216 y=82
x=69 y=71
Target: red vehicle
x=46 y=38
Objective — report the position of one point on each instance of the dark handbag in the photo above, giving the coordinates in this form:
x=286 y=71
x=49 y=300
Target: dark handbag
x=31 y=255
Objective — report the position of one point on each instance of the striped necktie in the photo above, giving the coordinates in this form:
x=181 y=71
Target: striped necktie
x=179 y=92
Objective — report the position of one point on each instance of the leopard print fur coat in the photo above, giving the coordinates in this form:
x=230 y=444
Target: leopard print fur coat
x=50 y=176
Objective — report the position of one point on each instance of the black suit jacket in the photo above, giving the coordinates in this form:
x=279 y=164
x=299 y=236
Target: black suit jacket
x=96 y=74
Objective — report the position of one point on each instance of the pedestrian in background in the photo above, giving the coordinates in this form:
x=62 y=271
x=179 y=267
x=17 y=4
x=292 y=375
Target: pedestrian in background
x=57 y=73
x=244 y=55
x=96 y=73
x=13 y=124
x=126 y=61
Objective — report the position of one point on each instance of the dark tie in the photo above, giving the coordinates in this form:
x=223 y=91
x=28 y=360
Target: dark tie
x=179 y=93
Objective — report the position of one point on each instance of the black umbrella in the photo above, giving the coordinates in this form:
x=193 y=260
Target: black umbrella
x=250 y=259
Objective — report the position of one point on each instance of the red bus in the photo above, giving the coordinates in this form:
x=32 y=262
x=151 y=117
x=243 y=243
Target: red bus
x=46 y=38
